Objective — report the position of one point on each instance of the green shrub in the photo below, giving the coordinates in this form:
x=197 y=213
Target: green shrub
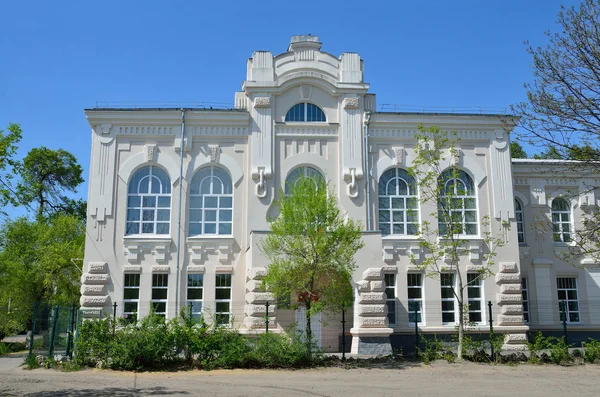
x=559 y=351
x=289 y=350
x=93 y=341
x=591 y=352
x=432 y=350
x=539 y=343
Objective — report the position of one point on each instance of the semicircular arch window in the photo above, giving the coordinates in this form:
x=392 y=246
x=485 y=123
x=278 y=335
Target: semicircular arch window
x=305 y=112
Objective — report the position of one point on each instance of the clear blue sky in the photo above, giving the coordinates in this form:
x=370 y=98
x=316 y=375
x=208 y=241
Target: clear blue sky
x=59 y=57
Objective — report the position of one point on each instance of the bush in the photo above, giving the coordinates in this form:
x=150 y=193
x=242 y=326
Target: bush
x=11 y=347
x=432 y=350
x=539 y=343
x=155 y=344
x=557 y=347
x=559 y=351
x=591 y=351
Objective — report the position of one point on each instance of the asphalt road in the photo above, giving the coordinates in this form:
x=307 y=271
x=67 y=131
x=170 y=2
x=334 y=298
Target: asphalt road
x=439 y=379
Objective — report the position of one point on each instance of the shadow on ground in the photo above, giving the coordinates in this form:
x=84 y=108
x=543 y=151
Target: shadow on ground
x=108 y=391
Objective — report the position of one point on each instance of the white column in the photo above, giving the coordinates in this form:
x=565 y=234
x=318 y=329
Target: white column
x=543 y=292
x=592 y=284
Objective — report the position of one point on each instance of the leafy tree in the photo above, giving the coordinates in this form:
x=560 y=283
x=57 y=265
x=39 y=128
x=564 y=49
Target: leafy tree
x=46 y=176
x=563 y=107
x=8 y=148
x=517 y=151
x=36 y=264
x=446 y=244
x=311 y=249
x=551 y=153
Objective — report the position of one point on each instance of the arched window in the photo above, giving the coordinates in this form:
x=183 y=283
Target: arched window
x=519 y=219
x=398 y=204
x=457 y=209
x=300 y=172
x=305 y=112
x=149 y=202
x=561 y=220
x=211 y=202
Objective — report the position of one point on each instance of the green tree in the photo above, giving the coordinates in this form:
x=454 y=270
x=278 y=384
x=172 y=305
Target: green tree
x=46 y=177
x=563 y=107
x=311 y=249
x=517 y=151
x=446 y=244
x=36 y=264
x=551 y=153
x=8 y=149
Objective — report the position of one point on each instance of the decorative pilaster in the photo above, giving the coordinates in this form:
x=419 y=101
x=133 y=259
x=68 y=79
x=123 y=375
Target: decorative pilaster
x=256 y=300
x=351 y=137
x=510 y=301
x=370 y=334
x=262 y=143
x=94 y=293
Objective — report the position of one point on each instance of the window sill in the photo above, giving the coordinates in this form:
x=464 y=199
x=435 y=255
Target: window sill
x=155 y=244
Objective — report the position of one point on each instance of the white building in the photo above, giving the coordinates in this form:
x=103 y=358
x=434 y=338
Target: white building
x=179 y=198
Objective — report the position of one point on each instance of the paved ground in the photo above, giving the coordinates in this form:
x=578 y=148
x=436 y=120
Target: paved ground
x=439 y=379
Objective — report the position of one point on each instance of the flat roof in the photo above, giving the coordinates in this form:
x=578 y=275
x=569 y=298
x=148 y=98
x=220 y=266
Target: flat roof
x=448 y=114
x=169 y=109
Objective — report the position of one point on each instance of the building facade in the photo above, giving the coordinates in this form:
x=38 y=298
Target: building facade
x=179 y=199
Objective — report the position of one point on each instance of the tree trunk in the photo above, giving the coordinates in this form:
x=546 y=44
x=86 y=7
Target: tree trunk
x=461 y=322
x=308 y=328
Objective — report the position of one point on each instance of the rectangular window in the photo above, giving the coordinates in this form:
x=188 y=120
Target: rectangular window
x=195 y=295
x=525 y=296
x=568 y=300
x=131 y=296
x=223 y=299
x=448 y=299
x=390 y=292
x=160 y=284
x=414 y=284
x=475 y=296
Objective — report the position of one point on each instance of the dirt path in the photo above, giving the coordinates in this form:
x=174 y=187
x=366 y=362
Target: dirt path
x=439 y=379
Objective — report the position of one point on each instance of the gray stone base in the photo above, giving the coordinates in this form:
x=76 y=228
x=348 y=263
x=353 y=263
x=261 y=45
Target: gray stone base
x=374 y=346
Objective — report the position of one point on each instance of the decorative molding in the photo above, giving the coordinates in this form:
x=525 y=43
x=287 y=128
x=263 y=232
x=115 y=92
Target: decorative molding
x=201 y=247
x=195 y=269
x=105 y=129
x=351 y=103
x=143 y=130
x=219 y=131
x=97 y=267
x=128 y=269
x=305 y=91
x=213 y=152
x=297 y=131
x=134 y=246
x=262 y=102
x=398 y=155
x=396 y=248
x=150 y=153
x=161 y=269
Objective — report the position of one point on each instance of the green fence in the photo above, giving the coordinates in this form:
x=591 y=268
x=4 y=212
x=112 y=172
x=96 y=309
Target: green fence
x=52 y=330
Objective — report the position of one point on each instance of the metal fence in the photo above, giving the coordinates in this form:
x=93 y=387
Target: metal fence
x=52 y=330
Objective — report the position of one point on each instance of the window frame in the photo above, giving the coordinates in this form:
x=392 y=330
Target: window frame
x=391 y=295
x=131 y=315
x=445 y=179
x=196 y=312
x=558 y=229
x=568 y=300
x=218 y=209
x=140 y=209
x=160 y=282
x=420 y=313
x=294 y=112
x=525 y=299
x=519 y=219
x=306 y=169
x=471 y=286
x=229 y=313
x=405 y=200
x=453 y=299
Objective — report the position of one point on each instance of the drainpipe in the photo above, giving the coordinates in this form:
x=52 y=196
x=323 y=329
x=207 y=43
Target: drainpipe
x=367 y=169
x=182 y=149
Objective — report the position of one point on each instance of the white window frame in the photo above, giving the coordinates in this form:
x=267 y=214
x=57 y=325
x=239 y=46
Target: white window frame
x=562 y=287
x=219 y=209
x=468 y=184
x=390 y=280
x=562 y=230
x=160 y=282
x=419 y=301
x=452 y=299
x=139 y=210
x=471 y=287
x=525 y=299
x=305 y=119
x=306 y=172
x=520 y=221
x=131 y=314
x=218 y=313
x=197 y=303
x=396 y=206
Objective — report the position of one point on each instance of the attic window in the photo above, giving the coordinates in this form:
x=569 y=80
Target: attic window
x=305 y=112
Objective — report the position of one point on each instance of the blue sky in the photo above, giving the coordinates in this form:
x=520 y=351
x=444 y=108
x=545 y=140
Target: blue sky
x=61 y=57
